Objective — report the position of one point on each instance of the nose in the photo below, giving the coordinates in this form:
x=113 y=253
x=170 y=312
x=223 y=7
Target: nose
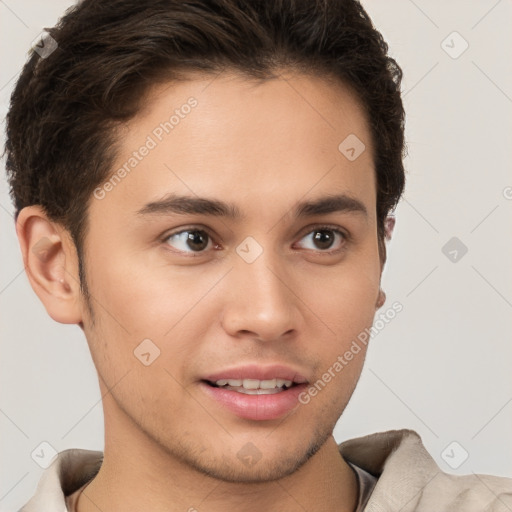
x=260 y=300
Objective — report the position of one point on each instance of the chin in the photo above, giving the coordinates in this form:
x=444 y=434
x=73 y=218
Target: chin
x=250 y=465
x=264 y=470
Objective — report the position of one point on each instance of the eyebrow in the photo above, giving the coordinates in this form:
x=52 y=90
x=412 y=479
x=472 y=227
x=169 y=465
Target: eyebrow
x=190 y=205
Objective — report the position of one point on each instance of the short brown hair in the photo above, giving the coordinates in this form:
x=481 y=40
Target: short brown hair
x=64 y=109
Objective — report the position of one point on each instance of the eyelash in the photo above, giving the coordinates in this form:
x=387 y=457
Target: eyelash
x=345 y=239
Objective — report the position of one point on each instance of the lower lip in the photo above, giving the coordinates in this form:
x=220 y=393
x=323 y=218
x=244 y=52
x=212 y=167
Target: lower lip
x=256 y=407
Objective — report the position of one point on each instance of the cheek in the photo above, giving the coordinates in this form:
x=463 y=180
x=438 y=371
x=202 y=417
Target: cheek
x=344 y=321
x=344 y=309
x=142 y=297
x=344 y=299
x=135 y=306
x=344 y=313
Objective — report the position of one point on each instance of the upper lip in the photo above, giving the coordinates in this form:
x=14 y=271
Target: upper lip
x=258 y=372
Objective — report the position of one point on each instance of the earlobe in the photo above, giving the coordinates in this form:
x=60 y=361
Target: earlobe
x=381 y=299
x=51 y=264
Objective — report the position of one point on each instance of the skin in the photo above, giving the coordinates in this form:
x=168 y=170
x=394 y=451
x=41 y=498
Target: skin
x=262 y=146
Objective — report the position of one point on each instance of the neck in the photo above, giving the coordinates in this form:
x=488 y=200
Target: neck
x=138 y=474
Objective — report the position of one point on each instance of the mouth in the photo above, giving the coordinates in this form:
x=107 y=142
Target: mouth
x=253 y=386
x=254 y=392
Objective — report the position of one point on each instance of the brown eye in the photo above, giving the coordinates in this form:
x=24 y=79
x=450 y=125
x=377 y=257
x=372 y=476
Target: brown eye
x=194 y=240
x=324 y=238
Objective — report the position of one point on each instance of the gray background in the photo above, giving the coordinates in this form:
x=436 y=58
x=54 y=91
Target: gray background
x=442 y=366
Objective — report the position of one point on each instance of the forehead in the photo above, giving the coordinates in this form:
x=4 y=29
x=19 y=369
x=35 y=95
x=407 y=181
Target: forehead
x=242 y=140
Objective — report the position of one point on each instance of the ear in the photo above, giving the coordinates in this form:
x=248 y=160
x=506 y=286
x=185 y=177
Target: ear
x=51 y=264
x=381 y=299
x=389 y=226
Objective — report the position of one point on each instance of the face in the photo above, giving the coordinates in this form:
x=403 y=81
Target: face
x=274 y=282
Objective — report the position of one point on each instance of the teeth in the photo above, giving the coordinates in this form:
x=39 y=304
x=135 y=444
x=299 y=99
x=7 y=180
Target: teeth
x=266 y=384
x=253 y=384
x=254 y=391
x=250 y=384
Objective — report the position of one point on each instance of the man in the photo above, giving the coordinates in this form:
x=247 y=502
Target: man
x=205 y=189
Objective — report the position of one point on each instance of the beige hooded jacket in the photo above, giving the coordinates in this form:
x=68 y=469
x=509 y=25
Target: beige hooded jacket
x=395 y=474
